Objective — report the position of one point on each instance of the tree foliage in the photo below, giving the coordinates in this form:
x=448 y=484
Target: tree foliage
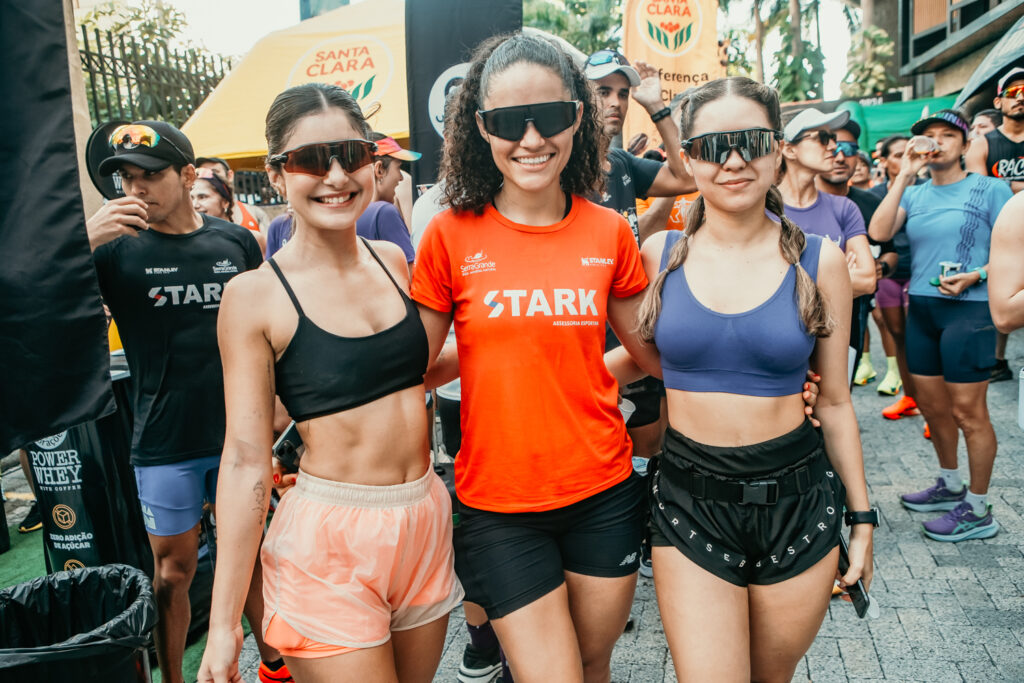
x=733 y=47
x=589 y=25
x=871 y=52
x=800 y=71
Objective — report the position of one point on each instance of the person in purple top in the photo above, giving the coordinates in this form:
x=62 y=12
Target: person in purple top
x=808 y=149
x=382 y=219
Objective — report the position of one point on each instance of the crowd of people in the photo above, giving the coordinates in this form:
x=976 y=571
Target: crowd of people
x=730 y=271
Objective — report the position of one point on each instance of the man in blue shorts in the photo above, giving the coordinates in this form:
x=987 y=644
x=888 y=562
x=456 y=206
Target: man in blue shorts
x=162 y=268
x=950 y=336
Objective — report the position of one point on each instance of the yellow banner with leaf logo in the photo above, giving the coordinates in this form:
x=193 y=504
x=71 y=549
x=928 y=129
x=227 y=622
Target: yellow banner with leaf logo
x=679 y=38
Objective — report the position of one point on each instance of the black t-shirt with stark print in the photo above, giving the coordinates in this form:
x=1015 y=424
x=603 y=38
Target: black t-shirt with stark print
x=630 y=177
x=164 y=292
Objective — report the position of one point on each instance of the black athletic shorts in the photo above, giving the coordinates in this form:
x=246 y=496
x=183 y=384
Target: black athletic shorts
x=505 y=560
x=746 y=543
x=646 y=395
x=955 y=339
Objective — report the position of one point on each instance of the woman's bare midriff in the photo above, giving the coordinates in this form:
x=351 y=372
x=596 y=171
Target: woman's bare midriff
x=381 y=443
x=730 y=420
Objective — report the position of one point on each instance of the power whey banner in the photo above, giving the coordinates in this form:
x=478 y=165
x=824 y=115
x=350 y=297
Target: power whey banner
x=440 y=36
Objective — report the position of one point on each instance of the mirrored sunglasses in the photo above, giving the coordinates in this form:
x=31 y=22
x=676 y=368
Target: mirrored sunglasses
x=849 y=149
x=315 y=159
x=549 y=118
x=751 y=143
x=133 y=135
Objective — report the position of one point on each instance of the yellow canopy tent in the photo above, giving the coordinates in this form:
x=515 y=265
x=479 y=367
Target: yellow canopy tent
x=359 y=47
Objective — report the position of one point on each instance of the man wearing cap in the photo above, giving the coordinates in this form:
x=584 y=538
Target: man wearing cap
x=161 y=269
x=382 y=219
x=252 y=217
x=1000 y=154
x=950 y=335
x=836 y=182
x=629 y=177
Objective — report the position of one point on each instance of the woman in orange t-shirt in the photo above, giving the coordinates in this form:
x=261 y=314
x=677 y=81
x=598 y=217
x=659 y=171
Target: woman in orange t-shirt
x=551 y=514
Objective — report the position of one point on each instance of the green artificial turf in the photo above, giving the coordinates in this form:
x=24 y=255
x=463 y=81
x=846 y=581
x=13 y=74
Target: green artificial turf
x=24 y=561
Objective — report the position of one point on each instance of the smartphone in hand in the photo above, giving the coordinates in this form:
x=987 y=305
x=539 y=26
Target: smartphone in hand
x=862 y=602
x=288 y=448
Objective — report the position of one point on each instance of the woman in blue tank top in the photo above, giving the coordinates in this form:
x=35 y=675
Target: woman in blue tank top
x=747 y=498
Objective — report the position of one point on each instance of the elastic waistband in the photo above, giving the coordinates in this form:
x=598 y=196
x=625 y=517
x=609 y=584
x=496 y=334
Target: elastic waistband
x=361 y=495
x=757 y=459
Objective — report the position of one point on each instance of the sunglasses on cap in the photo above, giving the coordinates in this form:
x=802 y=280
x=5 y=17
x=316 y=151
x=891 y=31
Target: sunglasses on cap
x=849 y=149
x=315 y=159
x=824 y=137
x=605 y=57
x=751 y=143
x=132 y=135
x=549 y=118
x=1013 y=92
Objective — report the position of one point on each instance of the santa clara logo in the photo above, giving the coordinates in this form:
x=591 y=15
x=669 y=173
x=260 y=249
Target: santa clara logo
x=361 y=64
x=670 y=27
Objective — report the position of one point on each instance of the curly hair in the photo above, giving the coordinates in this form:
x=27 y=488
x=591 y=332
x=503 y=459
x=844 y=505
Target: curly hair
x=813 y=307
x=471 y=178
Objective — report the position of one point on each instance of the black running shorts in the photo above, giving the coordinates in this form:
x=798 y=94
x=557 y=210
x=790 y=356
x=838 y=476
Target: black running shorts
x=955 y=339
x=505 y=561
x=747 y=543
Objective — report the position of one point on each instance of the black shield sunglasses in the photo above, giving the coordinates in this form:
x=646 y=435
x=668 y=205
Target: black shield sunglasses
x=751 y=143
x=549 y=118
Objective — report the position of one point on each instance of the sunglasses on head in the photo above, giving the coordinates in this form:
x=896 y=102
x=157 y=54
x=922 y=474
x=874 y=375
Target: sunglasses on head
x=1014 y=91
x=751 y=143
x=824 y=137
x=315 y=159
x=132 y=135
x=549 y=118
x=849 y=149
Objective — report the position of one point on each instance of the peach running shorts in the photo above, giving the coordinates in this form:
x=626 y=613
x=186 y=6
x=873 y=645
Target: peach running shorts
x=346 y=564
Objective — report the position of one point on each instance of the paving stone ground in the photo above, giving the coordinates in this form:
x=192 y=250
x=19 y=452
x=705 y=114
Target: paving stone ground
x=949 y=612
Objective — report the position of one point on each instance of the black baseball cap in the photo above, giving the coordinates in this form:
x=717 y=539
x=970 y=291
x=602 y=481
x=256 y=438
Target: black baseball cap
x=150 y=145
x=853 y=127
x=213 y=160
x=950 y=117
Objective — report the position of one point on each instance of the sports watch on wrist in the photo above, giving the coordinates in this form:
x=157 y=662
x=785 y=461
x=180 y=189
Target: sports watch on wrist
x=862 y=517
x=660 y=114
x=982 y=275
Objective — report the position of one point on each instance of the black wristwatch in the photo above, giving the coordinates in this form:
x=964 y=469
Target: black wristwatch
x=660 y=114
x=862 y=517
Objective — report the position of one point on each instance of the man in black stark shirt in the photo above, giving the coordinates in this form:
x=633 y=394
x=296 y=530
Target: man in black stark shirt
x=629 y=177
x=161 y=268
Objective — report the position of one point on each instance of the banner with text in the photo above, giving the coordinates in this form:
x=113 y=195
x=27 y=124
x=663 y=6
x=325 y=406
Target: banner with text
x=677 y=37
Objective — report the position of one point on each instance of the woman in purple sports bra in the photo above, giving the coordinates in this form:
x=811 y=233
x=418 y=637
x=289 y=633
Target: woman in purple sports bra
x=748 y=497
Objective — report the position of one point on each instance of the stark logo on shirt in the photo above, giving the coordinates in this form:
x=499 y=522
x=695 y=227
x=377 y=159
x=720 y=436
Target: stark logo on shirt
x=578 y=302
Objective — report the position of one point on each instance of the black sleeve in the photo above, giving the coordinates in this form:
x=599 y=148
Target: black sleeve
x=102 y=258
x=642 y=171
x=253 y=255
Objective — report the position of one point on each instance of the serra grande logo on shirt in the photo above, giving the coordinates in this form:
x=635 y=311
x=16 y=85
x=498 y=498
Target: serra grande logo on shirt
x=477 y=263
x=225 y=266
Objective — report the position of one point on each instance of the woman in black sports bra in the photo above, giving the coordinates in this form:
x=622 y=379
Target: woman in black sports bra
x=328 y=326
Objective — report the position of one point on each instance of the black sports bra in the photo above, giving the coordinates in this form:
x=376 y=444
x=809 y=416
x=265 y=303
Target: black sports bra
x=322 y=373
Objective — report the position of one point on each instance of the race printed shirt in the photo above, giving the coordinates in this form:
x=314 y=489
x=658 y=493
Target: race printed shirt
x=164 y=292
x=540 y=423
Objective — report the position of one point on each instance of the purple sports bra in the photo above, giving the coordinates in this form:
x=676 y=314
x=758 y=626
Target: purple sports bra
x=761 y=352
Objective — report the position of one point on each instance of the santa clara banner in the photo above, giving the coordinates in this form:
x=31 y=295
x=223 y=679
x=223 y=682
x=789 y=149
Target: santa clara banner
x=677 y=37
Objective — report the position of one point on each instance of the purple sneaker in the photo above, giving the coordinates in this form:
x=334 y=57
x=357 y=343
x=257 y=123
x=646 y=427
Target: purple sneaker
x=938 y=497
x=961 y=523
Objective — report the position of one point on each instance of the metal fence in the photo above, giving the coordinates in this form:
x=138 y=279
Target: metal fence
x=128 y=79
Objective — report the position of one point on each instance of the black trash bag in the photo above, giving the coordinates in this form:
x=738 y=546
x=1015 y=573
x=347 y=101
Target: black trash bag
x=90 y=624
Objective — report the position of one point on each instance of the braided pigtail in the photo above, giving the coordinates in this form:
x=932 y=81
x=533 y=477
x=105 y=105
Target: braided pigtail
x=813 y=307
x=650 y=307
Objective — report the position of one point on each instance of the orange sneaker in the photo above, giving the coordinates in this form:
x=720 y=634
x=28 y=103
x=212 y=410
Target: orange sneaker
x=904 y=407
x=927 y=432
x=280 y=675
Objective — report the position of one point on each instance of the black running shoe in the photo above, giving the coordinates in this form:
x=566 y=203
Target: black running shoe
x=1001 y=372
x=33 y=520
x=479 y=666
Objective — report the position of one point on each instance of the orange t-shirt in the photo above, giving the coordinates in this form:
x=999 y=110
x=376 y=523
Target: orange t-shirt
x=247 y=221
x=541 y=428
x=676 y=219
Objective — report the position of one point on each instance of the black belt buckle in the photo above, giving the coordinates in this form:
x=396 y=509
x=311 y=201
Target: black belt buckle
x=765 y=492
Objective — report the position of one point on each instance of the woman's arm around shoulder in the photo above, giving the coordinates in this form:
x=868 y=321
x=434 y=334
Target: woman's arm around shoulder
x=834 y=407
x=243 y=489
